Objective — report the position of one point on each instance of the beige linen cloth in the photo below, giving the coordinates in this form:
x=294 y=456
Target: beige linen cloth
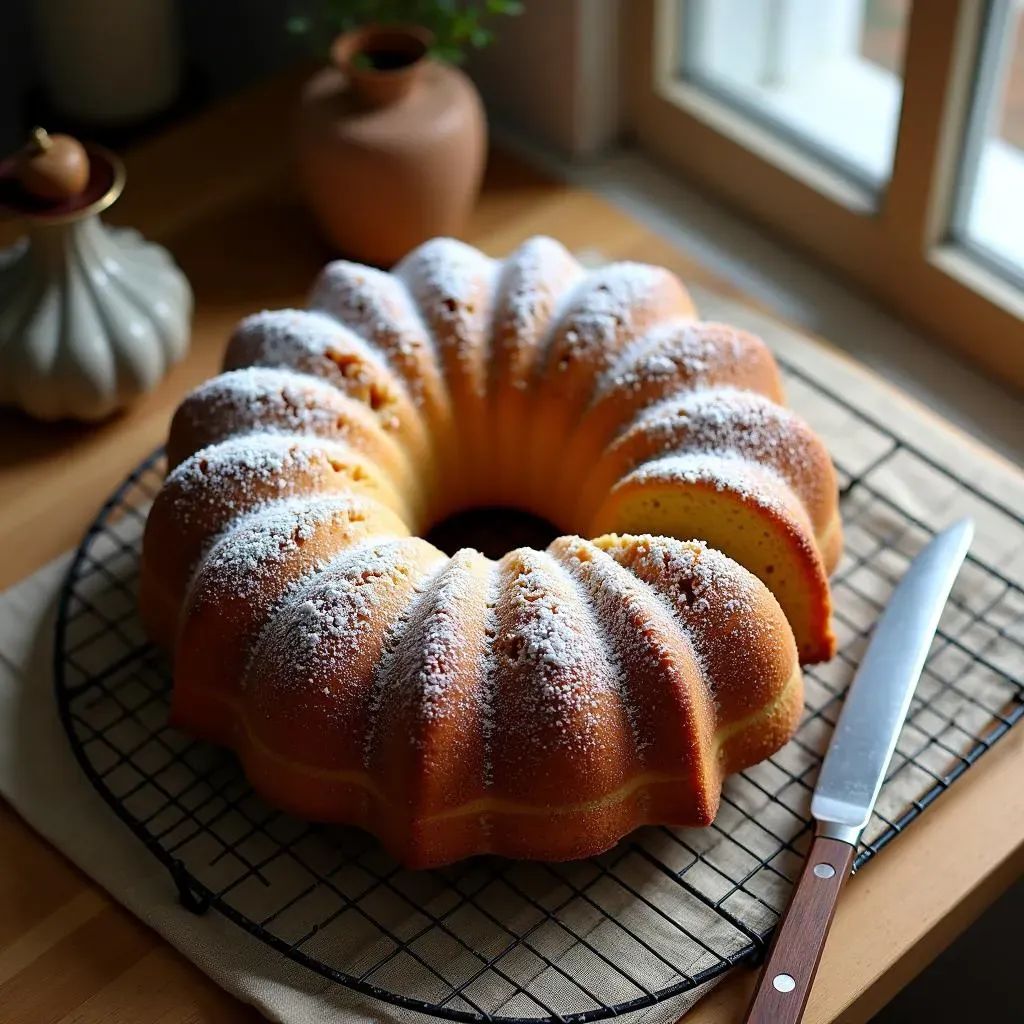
x=565 y=967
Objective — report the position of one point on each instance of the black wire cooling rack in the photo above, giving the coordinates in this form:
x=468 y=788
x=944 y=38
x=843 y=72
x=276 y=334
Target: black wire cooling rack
x=490 y=939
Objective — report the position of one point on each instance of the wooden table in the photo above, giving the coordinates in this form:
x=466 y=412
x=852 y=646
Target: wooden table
x=218 y=193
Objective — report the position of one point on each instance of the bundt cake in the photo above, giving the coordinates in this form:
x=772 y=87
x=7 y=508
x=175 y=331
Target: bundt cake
x=541 y=705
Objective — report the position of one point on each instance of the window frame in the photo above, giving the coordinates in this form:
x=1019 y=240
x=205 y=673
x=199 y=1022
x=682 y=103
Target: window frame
x=898 y=246
x=777 y=45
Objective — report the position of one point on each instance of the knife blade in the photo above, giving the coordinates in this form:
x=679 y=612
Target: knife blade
x=854 y=769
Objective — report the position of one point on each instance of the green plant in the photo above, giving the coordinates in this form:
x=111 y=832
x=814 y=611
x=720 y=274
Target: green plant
x=455 y=24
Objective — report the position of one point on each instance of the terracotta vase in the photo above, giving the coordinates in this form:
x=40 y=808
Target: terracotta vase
x=391 y=145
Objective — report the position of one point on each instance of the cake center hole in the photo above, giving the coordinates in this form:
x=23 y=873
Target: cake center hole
x=492 y=531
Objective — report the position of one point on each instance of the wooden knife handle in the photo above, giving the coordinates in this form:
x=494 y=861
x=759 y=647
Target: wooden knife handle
x=800 y=938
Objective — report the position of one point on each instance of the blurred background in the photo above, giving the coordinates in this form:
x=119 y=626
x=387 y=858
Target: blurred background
x=224 y=46
x=228 y=44
x=220 y=48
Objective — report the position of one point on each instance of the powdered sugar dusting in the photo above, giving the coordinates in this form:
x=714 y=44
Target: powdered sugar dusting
x=537 y=282
x=316 y=344
x=287 y=337
x=733 y=624
x=675 y=351
x=709 y=593
x=727 y=421
x=539 y=274
x=453 y=285
x=488 y=681
x=610 y=305
x=323 y=624
x=627 y=614
x=552 y=675
x=427 y=671
x=257 y=545
x=378 y=307
x=447 y=268
x=726 y=471
x=263 y=399
x=380 y=682
x=241 y=472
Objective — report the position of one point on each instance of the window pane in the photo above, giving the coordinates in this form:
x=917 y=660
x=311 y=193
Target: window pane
x=825 y=75
x=989 y=216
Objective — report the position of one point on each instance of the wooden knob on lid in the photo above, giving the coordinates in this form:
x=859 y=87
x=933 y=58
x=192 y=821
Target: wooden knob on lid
x=53 y=167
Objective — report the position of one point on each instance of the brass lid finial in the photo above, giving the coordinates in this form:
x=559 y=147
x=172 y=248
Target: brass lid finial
x=53 y=167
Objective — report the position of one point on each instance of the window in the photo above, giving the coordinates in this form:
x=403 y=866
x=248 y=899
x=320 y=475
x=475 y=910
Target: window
x=884 y=137
x=989 y=218
x=828 y=76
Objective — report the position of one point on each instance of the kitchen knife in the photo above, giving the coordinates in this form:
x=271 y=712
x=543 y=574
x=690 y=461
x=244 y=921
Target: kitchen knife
x=851 y=775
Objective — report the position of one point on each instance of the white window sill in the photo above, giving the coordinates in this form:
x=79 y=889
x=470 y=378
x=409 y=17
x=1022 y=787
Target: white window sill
x=799 y=292
x=848 y=108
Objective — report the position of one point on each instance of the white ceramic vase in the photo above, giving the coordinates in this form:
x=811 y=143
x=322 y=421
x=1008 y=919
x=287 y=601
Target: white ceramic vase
x=91 y=317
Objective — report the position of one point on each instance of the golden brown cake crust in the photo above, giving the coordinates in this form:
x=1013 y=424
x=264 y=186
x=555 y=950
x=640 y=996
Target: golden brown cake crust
x=542 y=705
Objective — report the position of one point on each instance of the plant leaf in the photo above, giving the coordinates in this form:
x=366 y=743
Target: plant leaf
x=455 y=24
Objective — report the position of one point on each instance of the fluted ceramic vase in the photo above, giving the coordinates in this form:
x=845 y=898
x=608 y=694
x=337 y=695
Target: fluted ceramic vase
x=91 y=316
